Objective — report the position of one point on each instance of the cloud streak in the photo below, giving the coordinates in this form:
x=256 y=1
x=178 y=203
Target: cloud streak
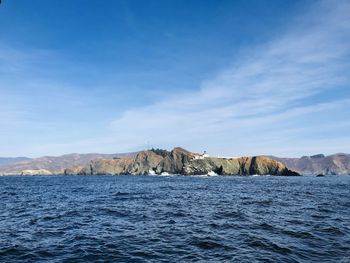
x=287 y=97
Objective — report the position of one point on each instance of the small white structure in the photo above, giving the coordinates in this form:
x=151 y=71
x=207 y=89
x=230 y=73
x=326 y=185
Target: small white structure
x=202 y=156
x=36 y=172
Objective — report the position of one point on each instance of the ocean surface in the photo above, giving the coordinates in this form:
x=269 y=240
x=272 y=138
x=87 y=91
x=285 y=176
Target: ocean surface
x=174 y=219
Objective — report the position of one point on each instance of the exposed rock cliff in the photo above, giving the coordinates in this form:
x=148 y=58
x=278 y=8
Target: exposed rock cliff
x=181 y=161
x=144 y=162
x=175 y=162
x=238 y=166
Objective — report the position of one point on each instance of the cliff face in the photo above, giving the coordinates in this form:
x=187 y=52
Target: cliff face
x=144 y=162
x=181 y=161
x=238 y=166
x=319 y=164
x=175 y=162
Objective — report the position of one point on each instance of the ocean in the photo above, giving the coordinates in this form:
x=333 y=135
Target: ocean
x=175 y=219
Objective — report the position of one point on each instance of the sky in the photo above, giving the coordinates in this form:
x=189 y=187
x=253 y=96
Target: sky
x=233 y=78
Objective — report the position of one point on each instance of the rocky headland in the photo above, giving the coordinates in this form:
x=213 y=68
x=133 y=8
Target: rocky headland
x=181 y=161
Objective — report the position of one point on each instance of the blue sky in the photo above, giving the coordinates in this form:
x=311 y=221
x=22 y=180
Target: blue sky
x=230 y=77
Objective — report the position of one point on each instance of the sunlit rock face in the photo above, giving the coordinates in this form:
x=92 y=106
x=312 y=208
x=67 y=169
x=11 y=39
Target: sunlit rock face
x=181 y=161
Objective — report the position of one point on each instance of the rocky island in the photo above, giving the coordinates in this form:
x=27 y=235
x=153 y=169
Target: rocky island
x=181 y=161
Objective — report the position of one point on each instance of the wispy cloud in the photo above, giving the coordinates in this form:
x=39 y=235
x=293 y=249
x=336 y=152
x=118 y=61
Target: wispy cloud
x=289 y=96
x=279 y=85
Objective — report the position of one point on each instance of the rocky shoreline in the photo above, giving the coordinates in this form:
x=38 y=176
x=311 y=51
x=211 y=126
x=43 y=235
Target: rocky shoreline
x=155 y=162
x=183 y=162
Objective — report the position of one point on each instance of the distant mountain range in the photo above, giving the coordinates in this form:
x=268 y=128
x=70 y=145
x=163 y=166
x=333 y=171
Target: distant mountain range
x=53 y=164
x=336 y=164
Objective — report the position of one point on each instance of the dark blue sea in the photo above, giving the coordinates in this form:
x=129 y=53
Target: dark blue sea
x=174 y=219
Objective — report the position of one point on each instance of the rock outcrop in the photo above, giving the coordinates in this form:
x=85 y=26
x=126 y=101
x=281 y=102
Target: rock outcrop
x=238 y=166
x=175 y=162
x=181 y=161
x=144 y=163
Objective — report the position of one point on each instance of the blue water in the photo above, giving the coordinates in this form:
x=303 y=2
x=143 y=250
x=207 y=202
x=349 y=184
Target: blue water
x=175 y=219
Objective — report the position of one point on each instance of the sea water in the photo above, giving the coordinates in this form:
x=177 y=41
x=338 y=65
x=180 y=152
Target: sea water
x=174 y=219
